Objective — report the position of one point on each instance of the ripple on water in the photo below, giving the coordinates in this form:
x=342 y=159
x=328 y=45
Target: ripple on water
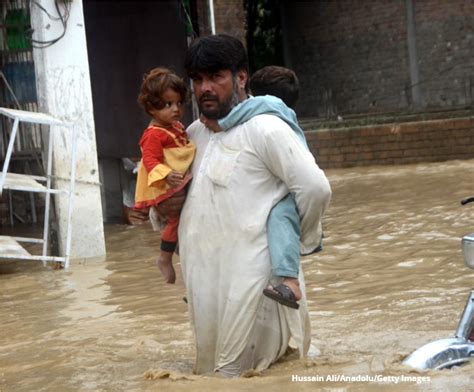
x=410 y=263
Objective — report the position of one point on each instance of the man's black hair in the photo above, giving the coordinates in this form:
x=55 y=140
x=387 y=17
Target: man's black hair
x=216 y=53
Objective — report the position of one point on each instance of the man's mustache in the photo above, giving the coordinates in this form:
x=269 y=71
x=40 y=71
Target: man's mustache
x=208 y=97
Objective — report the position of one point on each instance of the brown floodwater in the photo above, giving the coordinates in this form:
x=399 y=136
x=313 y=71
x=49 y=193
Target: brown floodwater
x=391 y=278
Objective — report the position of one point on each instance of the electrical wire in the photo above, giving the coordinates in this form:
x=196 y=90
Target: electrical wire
x=63 y=18
x=51 y=17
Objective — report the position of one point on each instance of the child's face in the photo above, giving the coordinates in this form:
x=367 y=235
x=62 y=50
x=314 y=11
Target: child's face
x=171 y=112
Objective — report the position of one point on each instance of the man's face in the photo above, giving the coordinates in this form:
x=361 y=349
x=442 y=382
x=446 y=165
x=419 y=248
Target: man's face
x=217 y=93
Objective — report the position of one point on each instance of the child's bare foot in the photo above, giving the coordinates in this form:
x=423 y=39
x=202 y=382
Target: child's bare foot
x=165 y=265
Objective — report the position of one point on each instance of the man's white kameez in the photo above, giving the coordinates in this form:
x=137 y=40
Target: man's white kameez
x=238 y=176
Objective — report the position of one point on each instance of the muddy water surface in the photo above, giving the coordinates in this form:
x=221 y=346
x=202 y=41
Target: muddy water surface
x=390 y=279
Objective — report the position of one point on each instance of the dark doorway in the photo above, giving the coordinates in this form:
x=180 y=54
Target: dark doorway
x=125 y=39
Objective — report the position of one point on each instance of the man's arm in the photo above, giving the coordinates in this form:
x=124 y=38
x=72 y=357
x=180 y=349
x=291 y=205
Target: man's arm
x=173 y=205
x=287 y=158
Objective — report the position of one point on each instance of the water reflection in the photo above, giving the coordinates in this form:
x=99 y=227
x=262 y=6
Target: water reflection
x=391 y=278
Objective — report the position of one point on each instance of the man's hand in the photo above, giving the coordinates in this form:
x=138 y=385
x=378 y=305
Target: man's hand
x=134 y=216
x=213 y=125
x=174 y=179
x=173 y=205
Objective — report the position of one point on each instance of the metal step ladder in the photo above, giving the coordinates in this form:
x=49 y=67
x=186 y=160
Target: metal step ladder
x=10 y=248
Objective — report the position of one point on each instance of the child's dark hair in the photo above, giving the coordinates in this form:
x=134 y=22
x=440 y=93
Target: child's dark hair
x=278 y=81
x=155 y=83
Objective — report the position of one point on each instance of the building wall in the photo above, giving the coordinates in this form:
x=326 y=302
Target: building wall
x=230 y=18
x=352 y=56
x=64 y=90
x=386 y=144
x=445 y=36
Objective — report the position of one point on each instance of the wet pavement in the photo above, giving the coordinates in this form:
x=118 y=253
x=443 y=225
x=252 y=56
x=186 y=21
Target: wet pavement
x=390 y=279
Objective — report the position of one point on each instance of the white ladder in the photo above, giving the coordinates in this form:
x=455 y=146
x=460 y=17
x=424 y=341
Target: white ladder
x=9 y=246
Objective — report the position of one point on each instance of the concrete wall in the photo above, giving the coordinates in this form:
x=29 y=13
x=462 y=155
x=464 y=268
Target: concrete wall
x=358 y=56
x=64 y=91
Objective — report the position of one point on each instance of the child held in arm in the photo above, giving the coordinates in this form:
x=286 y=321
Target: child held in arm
x=276 y=91
x=167 y=154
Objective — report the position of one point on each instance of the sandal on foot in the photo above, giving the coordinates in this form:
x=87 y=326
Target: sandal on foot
x=283 y=295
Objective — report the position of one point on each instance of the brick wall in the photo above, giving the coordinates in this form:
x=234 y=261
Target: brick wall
x=385 y=144
x=352 y=56
x=445 y=38
x=230 y=18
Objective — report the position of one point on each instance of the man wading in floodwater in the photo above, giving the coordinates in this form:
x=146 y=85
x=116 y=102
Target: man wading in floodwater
x=238 y=176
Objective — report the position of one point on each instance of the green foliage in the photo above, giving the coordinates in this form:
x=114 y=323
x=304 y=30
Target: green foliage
x=264 y=37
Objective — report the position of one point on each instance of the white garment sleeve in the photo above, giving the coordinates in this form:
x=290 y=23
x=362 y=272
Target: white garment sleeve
x=286 y=157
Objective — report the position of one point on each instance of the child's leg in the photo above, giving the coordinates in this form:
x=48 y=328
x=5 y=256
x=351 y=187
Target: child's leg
x=283 y=229
x=169 y=239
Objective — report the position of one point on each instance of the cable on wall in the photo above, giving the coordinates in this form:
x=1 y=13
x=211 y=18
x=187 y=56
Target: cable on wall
x=62 y=18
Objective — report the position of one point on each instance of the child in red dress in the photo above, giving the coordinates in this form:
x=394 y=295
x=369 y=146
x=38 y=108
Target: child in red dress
x=167 y=154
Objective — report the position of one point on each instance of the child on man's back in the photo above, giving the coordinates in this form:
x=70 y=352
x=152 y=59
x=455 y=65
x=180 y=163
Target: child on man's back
x=276 y=91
